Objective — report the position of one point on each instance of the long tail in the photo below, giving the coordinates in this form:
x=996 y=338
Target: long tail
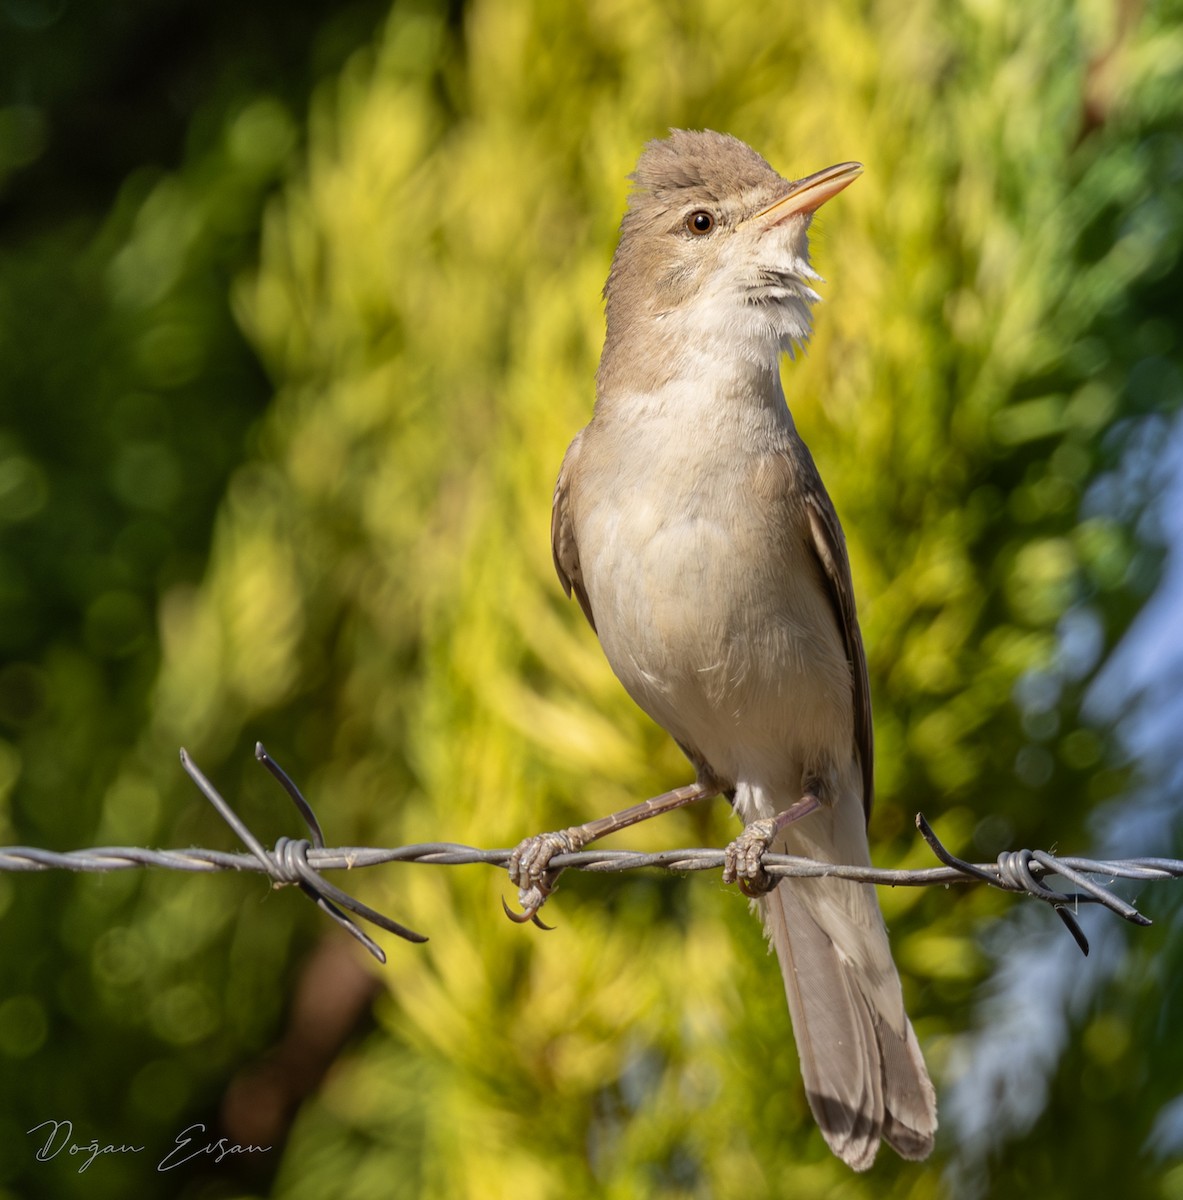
x=864 y=1074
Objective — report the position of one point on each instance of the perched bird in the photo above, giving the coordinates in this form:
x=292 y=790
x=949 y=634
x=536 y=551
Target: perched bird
x=694 y=530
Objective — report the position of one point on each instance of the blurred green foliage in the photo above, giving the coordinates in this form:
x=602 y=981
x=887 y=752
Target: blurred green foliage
x=345 y=553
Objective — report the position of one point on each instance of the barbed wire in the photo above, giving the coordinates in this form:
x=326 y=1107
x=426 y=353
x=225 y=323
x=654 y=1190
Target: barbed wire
x=299 y=861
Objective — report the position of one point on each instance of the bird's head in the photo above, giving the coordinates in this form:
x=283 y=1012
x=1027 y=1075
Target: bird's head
x=714 y=249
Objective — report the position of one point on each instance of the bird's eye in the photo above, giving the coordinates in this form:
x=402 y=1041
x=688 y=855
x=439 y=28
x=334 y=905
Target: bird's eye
x=700 y=222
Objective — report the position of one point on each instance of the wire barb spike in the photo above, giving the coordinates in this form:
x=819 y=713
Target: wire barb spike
x=288 y=862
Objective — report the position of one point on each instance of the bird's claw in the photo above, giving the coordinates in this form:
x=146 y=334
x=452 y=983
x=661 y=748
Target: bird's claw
x=743 y=860
x=529 y=869
x=528 y=914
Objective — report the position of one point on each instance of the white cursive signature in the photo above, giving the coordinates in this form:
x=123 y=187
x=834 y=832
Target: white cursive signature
x=185 y=1149
x=218 y=1150
x=54 y=1144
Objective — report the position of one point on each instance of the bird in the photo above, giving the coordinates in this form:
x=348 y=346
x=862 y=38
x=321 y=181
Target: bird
x=692 y=526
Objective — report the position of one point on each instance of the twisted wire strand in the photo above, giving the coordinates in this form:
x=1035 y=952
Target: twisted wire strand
x=300 y=861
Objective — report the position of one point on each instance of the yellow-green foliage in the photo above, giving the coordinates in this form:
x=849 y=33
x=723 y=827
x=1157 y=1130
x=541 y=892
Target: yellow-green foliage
x=380 y=592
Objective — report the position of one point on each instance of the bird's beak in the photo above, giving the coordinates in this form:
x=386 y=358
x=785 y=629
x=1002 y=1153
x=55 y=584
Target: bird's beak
x=810 y=193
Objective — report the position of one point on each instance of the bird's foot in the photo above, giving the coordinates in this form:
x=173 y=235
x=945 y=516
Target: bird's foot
x=530 y=872
x=743 y=860
x=529 y=865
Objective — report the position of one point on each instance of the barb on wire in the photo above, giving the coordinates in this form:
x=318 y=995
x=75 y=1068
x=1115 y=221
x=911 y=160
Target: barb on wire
x=288 y=862
x=1013 y=872
x=301 y=861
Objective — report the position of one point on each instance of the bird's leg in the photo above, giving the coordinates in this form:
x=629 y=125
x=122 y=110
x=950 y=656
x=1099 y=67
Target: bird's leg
x=743 y=859
x=529 y=864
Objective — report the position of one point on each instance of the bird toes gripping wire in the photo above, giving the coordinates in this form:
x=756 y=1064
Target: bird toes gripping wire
x=288 y=862
x=530 y=866
x=743 y=860
x=531 y=873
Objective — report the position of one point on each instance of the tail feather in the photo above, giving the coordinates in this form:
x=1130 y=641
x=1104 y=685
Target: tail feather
x=864 y=1074
x=910 y=1122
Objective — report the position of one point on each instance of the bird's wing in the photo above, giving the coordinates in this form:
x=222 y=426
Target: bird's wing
x=562 y=534
x=830 y=545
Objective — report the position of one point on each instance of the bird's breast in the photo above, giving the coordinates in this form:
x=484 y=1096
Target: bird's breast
x=708 y=599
